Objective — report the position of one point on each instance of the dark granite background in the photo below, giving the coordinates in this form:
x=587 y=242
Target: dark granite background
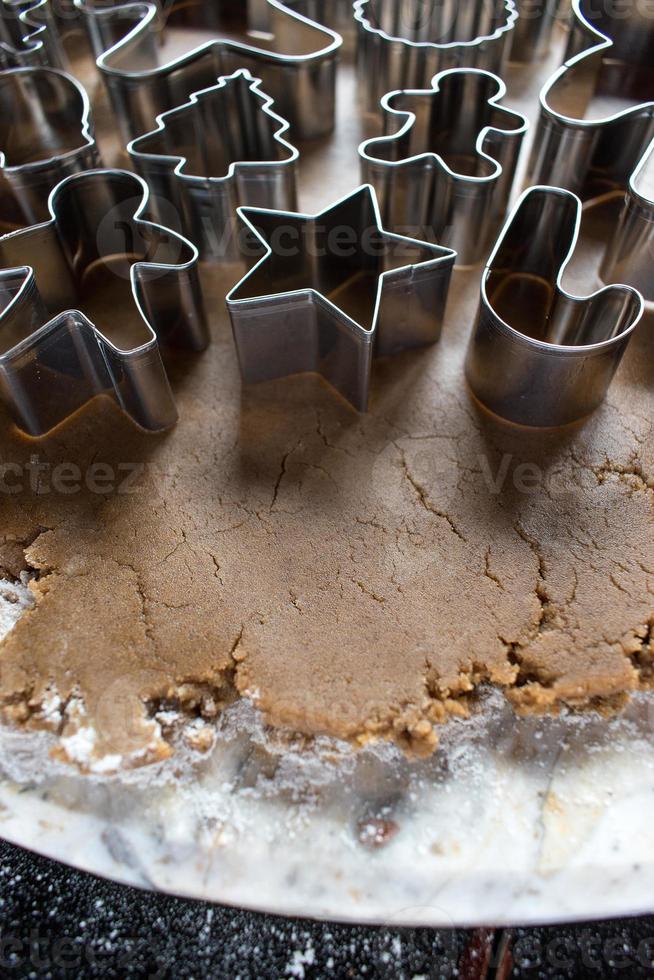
x=55 y=922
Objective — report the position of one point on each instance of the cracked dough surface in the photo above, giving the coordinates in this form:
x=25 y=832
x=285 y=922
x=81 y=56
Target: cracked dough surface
x=356 y=575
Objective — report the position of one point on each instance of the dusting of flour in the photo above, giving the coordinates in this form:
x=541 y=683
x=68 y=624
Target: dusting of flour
x=15 y=598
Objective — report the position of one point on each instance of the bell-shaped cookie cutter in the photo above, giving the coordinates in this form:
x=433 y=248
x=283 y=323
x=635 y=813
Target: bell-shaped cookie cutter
x=538 y=355
x=610 y=58
x=95 y=253
x=630 y=255
x=223 y=149
x=332 y=288
x=46 y=134
x=449 y=170
x=295 y=57
x=403 y=45
x=29 y=35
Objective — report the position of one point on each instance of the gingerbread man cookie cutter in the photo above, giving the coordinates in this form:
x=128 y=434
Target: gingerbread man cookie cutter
x=448 y=171
x=403 y=45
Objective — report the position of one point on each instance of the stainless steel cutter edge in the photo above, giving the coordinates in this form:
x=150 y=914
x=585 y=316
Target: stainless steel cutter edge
x=213 y=245
x=319 y=66
x=563 y=143
x=387 y=60
x=630 y=253
x=536 y=382
x=435 y=273
x=334 y=14
x=533 y=35
x=54 y=168
x=493 y=192
x=359 y=8
x=582 y=35
x=137 y=378
x=40 y=43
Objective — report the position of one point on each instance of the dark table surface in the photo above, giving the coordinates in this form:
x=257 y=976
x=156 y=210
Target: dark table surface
x=55 y=922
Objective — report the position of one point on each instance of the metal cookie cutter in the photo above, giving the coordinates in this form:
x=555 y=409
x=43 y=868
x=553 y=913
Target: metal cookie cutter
x=403 y=45
x=538 y=355
x=96 y=255
x=450 y=168
x=222 y=149
x=335 y=14
x=630 y=254
x=533 y=31
x=146 y=75
x=597 y=110
x=29 y=35
x=331 y=288
x=46 y=134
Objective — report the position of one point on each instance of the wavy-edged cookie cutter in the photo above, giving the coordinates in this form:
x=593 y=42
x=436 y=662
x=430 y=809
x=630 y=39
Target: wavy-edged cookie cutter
x=538 y=355
x=630 y=255
x=223 y=149
x=403 y=45
x=332 y=288
x=449 y=170
x=46 y=134
x=533 y=31
x=295 y=57
x=29 y=35
x=95 y=259
x=609 y=61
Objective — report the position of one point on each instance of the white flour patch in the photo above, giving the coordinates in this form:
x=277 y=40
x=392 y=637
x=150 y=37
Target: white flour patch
x=80 y=746
x=15 y=599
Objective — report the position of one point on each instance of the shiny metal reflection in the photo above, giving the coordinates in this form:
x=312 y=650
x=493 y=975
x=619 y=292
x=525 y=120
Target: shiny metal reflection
x=147 y=73
x=85 y=299
x=630 y=254
x=538 y=355
x=448 y=171
x=46 y=134
x=332 y=289
x=29 y=36
x=403 y=45
x=597 y=110
x=223 y=149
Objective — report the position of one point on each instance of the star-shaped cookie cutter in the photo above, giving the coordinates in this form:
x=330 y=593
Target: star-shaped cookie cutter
x=29 y=35
x=403 y=45
x=332 y=288
x=610 y=56
x=295 y=57
x=538 y=355
x=46 y=134
x=449 y=169
x=222 y=149
x=95 y=254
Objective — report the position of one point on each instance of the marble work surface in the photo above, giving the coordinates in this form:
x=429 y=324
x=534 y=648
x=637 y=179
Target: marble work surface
x=512 y=820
